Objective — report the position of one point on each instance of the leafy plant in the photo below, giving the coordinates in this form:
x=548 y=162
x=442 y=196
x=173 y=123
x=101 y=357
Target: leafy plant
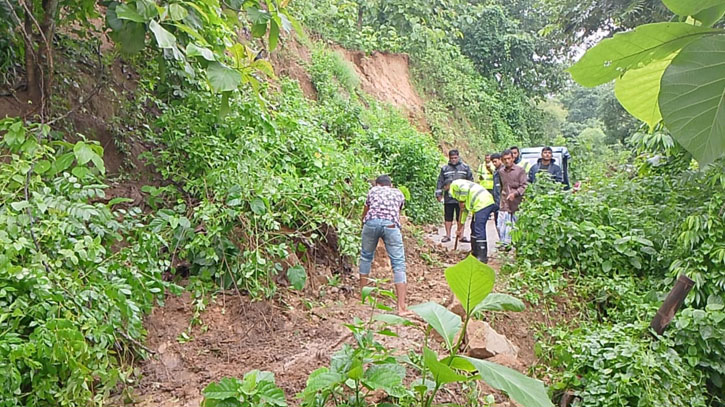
x=297 y=276
x=72 y=307
x=701 y=253
x=471 y=282
x=357 y=368
x=256 y=389
x=697 y=336
x=654 y=66
x=620 y=365
x=356 y=372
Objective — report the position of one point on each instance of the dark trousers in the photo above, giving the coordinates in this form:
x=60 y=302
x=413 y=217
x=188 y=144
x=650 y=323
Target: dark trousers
x=495 y=210
x=480 y=218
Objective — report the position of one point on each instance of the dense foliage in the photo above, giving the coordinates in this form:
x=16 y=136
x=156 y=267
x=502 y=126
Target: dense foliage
x=626 y=237
x=271 y=183
x=251 y=181
x=655 y=220
x=244 y=191
x=190 y=39
x=72 y=306
x=503 y=49
x=387 y=137
x=619 y=365
x=476 y=105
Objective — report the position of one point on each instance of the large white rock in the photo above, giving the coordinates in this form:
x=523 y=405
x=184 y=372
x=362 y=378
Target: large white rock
x=484 y=342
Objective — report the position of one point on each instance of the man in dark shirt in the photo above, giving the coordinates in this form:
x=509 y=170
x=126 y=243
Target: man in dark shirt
x=455 y=169
x=546 y=163
x=381 y=220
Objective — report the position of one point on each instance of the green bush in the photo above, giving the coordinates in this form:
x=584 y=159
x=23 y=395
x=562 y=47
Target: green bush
x=338 y=20
x=629 y=237
x=621 y=365
x=593 y=232
x=265 y=182
x=76 y=278
x=411 y=158
x=698 y=335
x=700 y=244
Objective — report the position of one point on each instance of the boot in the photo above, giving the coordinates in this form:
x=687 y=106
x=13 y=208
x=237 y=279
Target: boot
x=481 y=251
x=474 y=249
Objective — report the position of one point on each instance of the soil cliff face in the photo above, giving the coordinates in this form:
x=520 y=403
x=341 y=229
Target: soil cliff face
x=385 y=76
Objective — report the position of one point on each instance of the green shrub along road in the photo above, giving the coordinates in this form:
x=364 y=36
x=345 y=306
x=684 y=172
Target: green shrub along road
x=249 y=171
x=622 y=241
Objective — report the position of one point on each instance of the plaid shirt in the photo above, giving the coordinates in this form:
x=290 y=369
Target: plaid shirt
x=384 y=203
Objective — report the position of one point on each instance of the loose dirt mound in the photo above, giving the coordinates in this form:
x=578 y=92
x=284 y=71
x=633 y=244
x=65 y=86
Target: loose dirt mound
x=237 y=336
x=291 y=336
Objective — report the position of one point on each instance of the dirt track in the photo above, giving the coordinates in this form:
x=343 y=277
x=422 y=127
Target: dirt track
x=286 y=336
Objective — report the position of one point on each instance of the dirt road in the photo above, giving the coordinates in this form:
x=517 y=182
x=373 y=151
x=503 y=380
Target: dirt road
x=491 y=236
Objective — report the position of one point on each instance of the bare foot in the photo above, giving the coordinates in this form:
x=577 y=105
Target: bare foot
x=405 y=313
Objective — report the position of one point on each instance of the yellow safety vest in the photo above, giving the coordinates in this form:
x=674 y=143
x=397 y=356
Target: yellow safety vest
x=485 y=178
x=474 y=196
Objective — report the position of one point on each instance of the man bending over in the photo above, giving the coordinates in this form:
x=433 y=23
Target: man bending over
x=381 y=219
x=474 y=199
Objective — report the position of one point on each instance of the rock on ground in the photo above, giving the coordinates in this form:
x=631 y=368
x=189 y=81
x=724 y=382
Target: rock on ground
x=484 y=342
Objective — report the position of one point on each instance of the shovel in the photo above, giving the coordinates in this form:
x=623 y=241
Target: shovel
x=455 y=245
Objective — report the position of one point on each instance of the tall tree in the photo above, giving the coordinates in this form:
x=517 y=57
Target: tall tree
x=502 y=49
x=577 y=23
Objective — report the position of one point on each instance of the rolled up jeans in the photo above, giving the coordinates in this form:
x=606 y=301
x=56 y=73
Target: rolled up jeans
x=373 y=230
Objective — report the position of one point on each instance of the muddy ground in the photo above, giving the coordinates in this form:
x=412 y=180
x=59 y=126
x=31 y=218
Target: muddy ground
x=295 y=333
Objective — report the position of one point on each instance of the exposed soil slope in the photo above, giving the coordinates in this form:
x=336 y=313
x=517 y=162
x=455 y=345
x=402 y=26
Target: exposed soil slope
x=383 y=75
x=284 y=336
x=386 y=76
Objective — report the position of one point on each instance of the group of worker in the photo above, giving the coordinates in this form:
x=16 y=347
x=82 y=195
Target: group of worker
x=502 y=181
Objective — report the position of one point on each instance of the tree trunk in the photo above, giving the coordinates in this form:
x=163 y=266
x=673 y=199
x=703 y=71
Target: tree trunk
x=47 y=26
x=672 y=303
x=31 y=64
x=39 y=52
